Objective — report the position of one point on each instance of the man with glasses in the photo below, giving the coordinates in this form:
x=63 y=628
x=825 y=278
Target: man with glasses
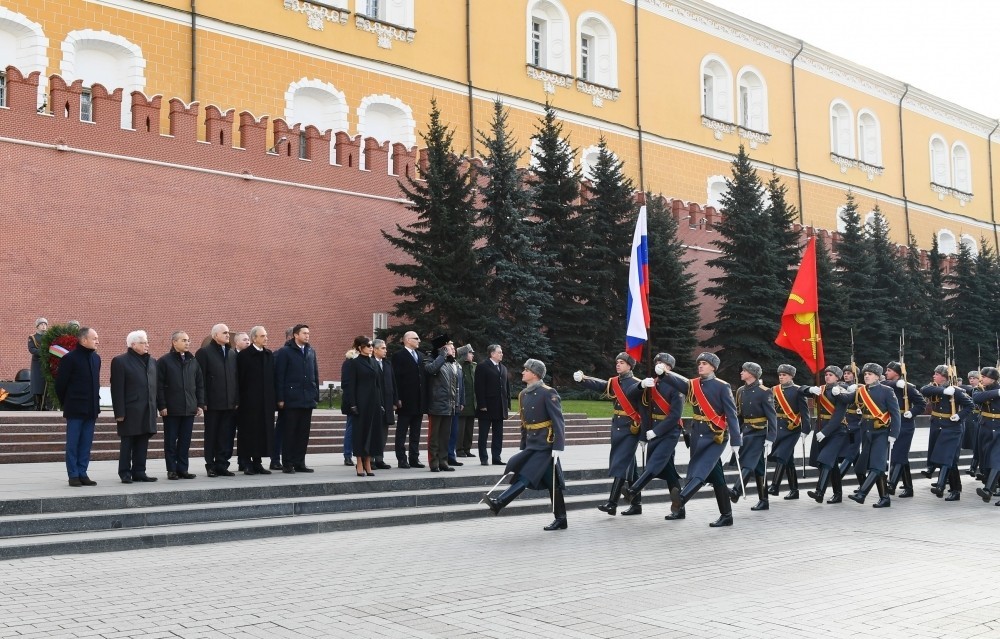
x=218 y=366
x=411 y=403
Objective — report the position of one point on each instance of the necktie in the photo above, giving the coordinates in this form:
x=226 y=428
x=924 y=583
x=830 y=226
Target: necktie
x=415 y=358
x=223 y=352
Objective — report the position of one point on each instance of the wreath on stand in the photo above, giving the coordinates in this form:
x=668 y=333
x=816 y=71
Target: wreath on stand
x=55 y=343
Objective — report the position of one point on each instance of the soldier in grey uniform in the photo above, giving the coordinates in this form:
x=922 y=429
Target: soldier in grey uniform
x=759 y=425
x=543 y=438
x=792 y=407
x=987 y=398
x=831 y=434
x=950 y=407
x=911 y=403
x=880 y=424
x=851 y=445
x=970 y=437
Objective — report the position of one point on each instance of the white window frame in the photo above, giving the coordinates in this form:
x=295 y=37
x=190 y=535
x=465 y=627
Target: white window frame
x=3 y=88
x=940 y=165
x=841 y=129
x=32 y=48
x=555 y=47
x=602 y=67
x=946 y=242
x=116 y=45
x=969 y=241
x=752 y=121
x=869 y=134
x=961 y=168
x=405 y=132
x=86 y=105
x=841 y=222
x=715 y=182
x=716 y=89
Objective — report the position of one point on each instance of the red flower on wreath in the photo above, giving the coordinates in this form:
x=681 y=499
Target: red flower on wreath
x=67 y=342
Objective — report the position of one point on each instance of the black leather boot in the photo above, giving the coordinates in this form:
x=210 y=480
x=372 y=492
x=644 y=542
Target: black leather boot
x=497 y=504
x=824 y=479
x=973 y=466
x=762 y=503
x=838 y=487
x=938 y=488
x=866 y=486
x=779 y=471
x=907 y=483
x=636 y=507
x=861 y=480
x=629 y=493
x=954 y=480
x=690 y=489
x=738 y=489
x=611 y=507
x=793 y=482
x=884 y=501
x=986 y=492
x=676 y=505
x=845 y=466
x=725 y=507
x=895 y=473
x=559 y=510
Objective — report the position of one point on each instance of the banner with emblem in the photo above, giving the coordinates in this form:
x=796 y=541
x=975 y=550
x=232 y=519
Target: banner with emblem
x=800 y=321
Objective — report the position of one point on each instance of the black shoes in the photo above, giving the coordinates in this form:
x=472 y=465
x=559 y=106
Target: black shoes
x=173 y=475
x=455 y=462
x=446 y=468
x=249 y=470
x=763 y=504
x=277 y=466
x=415 y=463
x=484 y=462
x=211 y=472
x=678 y=514
x=883 y=502
x=953 y=496
x=288 y=470
x=75 y=482
x=634 y=509
x=87 y=481
x=303 y=469
x=723 y=520
x=186 y=475
x=499 y=462
x=144 y=478
x=402 y=464
x=836 y=498
x=260 y=470
x=126 y=479
x=435 y=469
x=381 y=465
x=225 y=472
x=349 y=462
x=558 y=524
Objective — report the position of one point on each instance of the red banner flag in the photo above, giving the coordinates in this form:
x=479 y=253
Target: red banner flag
x=800 y=322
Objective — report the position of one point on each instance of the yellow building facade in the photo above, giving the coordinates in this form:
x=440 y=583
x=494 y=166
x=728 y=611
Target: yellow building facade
x=674 y=86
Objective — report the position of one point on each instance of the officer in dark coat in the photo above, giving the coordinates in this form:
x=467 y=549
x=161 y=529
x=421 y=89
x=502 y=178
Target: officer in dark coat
x=663 y=430
x=792 y=407
x=78 y=387
x=492 y=394
x=218 y=366
x=133 y=397
x=851 y=445
x=543 y=438
x=970 y=436
x=34 y=347
x=758 y=425
x=831 y=433
x=987 y=398
x=411 y=384
x=714 y=423
x=257 y=402
x=911 y=403
x=950 y=406
x=626 y=425
x=296 y=382
x=880 y=428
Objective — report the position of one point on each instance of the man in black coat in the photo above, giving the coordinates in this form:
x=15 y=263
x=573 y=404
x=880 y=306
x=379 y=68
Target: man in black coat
x=37 y=377
x=180 y=396
x=492 y=402
x=218 y=365
x=411 y=385
x=257 y=402
x=297 y=392
x=78 y=387
x=390 y=397
x=133 y=397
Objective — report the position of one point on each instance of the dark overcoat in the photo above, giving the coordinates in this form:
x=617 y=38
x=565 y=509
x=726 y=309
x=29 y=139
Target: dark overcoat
x=78 y=385
x=255 y=372
x=133 y=393
x=362 y=384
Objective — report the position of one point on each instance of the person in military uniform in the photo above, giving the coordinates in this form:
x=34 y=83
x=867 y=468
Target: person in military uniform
x=665 y=406
x=543 y=439
x=880 y=428
x=851 y=446
x=831 y=433
x=758 y=425
x=626 y=425
x=714 y=422
x=950 y=406
x=911 y=403
x=970 y=436
x=987 y=399
x=791 y=404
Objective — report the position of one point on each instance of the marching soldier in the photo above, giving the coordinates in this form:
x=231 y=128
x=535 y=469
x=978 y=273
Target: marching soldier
x=713 y=422
x=911 y=403
x=880 y=427
x=987 y=398
x=851 y=446
x=543 y=438
x=791 y=404
x=950 y=406
x=831 y=433
x=758 y=425
x=666 y=406
x=970 y=438
x=625 y=391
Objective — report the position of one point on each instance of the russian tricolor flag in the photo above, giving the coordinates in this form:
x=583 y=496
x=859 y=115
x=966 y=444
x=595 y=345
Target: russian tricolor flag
x=638 y=290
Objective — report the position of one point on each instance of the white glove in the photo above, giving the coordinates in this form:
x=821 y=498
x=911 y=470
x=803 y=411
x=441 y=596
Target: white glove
x=892 y=440
x=578 y=376
x=900 y=383
x=836 y=390
x=802 y=435
x=954 y=417
x=820 y=436
x=736 y=450
x=908 y=415
x=852 y=388
x=660 y=368
x=555 y=454
x=650 y=435
x=949 y=390
x=767 y=447
x=648 y=382
x=814 y=390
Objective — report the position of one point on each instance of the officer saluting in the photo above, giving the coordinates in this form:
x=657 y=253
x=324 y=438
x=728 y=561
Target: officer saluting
x=949 y=408
x=911 y=403
x=880 y=427
x=988 y=400
x=758 y=424
x=625 y=391
x=543 y=438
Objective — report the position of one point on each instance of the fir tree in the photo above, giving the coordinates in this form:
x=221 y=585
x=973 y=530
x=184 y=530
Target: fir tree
x=444 y=291
x=968 y=306
x=914 y=306
x=936 y=303
x=610 y=213
x=887 y=288
x=787 y=252
x=988 y=271
x=515 y=266
x=832 y=307
x=673 y=305
x=747 y=282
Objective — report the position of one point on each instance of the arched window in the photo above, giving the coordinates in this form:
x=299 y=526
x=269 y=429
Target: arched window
x=716 y=88
x=841 y=222
x=752 y=101
x=716 y=187
x=597 y=55
x=971 y=242
x=386 y=118
x=108 y=59
x=22 y=44
x=548 y=36
x=317 y=103
x=870 y=219
x=588 y=160
x=841 y=129
x=869 y=138
x=946 y=242
x=939 y=162
x=960 y=169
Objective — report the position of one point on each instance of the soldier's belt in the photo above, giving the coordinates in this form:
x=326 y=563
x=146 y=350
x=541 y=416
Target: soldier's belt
x=634 y=428
x=990 y=415
x=826 y=415
x=876 y=422
x=791 y=424
x=756 y=423
x=941 y=415
x=539 y=426
x=658 y=418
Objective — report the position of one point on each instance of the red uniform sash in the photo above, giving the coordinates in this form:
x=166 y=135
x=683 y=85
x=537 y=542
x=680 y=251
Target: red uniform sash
x=718 y=420
x=866 y=398
x=786 y=408
x=824 y=401
x=660 y=401
x=626 y=405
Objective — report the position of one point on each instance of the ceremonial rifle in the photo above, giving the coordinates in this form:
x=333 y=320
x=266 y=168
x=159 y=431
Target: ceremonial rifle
x=949 y=360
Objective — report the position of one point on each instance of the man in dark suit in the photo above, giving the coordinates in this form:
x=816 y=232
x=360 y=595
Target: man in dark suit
x=411 y=384
x=389 y=397
x=78 y=387
x=296 y=381
x=133 y=397
x=218 y=367
x=492 y=402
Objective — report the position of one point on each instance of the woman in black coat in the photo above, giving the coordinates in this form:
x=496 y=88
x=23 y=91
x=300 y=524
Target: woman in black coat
x=362 y=386
x=255 y=415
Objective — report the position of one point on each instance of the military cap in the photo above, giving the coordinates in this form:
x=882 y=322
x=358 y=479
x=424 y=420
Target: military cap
x=439 y=341
x=711 y=358
x=536 y=366
x=872 y=367
x=666 y=358
x=41 y=320
x=753 y=368
x=463 y=351
x=625 y=357
x=972 y=374
x=941 y=369
x=836 y=370
x=991 y=372
x=788 y=369
x=894 y=366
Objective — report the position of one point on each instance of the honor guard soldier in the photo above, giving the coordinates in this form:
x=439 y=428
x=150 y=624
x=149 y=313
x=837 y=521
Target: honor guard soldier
x=911 y=403
x=758 y=425
x=666 y=405
x=987 y=398
x=950 y=406
x=880 y=427
x=543 y=438
x=852 y=445
x=831 y=433
x=970 y=437
x=626 y=392
x=714 y=421
x=791 y=404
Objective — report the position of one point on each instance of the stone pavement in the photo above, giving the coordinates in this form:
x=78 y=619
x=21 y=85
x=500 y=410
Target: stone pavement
x=922 y=568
